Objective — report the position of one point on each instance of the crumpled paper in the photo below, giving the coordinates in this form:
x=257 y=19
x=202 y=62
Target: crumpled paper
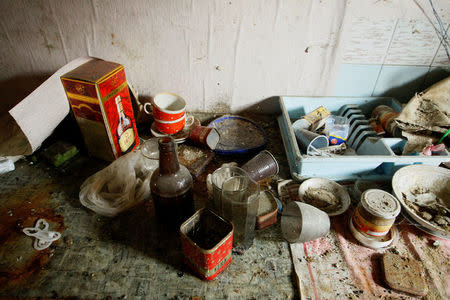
x=426 y=117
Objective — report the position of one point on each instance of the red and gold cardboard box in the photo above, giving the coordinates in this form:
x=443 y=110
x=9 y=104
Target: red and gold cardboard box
x=98 y=95
x=207 y=241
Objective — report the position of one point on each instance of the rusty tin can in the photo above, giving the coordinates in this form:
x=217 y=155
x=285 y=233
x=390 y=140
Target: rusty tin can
x=207 y=241
x=203 y=135
x=385 y=116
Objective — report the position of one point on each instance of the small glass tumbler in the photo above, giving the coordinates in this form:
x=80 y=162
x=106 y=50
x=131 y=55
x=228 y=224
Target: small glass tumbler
x=218 y=177
x=240 y=206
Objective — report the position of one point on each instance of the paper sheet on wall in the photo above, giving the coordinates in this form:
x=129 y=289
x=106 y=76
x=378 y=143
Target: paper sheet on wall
x=34 y=118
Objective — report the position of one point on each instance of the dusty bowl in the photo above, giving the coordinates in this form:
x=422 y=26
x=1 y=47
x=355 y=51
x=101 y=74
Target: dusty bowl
x=325 y=194
x=424 y=192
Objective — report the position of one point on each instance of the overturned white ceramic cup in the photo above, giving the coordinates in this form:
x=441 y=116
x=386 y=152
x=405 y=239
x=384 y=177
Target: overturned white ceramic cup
x=302 y=222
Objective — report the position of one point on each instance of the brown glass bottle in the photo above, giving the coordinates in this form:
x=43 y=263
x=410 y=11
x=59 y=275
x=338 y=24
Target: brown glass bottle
x=171 y=187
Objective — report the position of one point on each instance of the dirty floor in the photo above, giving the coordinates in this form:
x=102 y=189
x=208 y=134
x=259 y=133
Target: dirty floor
x=124 y=256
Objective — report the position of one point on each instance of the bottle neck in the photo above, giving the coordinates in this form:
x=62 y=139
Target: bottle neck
x=168 y=159
x=119 y=106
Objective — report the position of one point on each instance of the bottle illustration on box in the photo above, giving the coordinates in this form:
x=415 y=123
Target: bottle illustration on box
x=125 y=131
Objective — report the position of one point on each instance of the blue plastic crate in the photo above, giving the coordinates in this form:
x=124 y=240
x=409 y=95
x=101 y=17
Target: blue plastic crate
x=376 y=159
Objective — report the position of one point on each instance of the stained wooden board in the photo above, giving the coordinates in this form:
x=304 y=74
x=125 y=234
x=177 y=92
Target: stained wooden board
x=404 y=274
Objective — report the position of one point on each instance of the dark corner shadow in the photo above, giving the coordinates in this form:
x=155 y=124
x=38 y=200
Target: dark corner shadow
x=143 y=120
x=14 y=89
x=138 y=229
x=434 y=76
x=405 y=92
x=73 y=173
x=267 y=106
x=295 y=281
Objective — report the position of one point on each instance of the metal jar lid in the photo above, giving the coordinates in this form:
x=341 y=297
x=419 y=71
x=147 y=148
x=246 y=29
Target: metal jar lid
x=380 y=204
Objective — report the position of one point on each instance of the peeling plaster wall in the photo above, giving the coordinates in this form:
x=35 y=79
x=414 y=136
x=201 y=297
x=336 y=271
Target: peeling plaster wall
x=219 y=55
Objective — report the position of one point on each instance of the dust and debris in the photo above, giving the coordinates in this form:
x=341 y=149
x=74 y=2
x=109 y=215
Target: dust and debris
x=68 y=241
x=237 y=133
x=194 y=158
x=221 y=107
x=436 y=244
x=323 y=199
x=310 y=259
x=394 y=250
x=261 y=273
x=429 y=206
x=425 y=215
x=404 y=274
x=191 y=155
x=238 y=251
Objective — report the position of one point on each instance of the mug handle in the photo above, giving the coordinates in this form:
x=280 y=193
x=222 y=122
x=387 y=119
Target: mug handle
x=189 y=121
x=145 y=108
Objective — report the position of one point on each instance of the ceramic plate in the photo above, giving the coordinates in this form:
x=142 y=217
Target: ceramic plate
x=179 y=137
x=429 y=179
x=238 y=135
